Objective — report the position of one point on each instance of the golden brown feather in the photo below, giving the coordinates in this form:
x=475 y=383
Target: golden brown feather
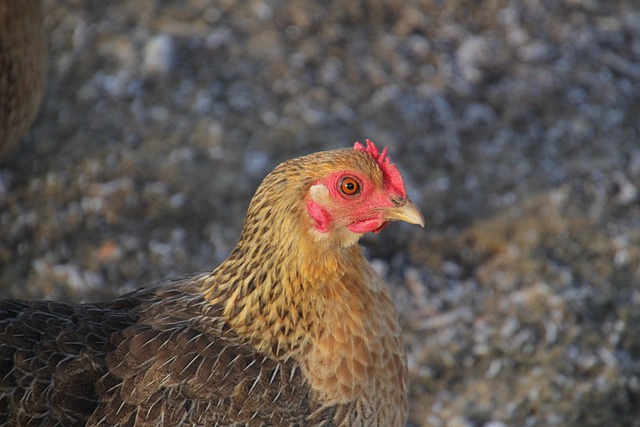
x=295 y=328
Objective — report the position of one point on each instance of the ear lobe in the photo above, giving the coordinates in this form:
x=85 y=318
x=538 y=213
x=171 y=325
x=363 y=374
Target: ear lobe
x=318 y=197
x=320 y=194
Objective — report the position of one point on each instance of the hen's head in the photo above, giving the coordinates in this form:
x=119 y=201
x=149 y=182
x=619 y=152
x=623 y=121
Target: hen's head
x=337 y=196
x=361 y=194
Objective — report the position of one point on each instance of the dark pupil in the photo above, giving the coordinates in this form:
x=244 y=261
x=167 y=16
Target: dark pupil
x=350 y=186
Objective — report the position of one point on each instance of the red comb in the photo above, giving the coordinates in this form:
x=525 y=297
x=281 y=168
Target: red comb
x=392 y=176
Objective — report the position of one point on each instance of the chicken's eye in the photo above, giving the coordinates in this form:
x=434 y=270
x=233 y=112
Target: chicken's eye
x=349 y=186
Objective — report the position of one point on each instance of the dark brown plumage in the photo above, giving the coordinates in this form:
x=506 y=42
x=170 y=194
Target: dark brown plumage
x=23 y=65
x=295 y=328
x=155 y=357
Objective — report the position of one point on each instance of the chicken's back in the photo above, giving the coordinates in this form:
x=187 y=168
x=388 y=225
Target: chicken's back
x=52 y=354
x=158 y=356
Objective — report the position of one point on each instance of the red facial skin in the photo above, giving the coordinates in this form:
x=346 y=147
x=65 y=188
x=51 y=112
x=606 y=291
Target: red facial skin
x=361 y=212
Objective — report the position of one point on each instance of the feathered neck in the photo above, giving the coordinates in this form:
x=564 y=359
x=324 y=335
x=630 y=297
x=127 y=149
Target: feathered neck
x=273 y=285
x=292 y=293
x=274 y=291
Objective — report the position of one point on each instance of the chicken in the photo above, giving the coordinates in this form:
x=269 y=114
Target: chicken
x=23 y=67
x=294 y=328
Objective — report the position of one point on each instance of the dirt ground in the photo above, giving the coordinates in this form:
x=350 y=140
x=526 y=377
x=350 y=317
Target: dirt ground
x=515 y=124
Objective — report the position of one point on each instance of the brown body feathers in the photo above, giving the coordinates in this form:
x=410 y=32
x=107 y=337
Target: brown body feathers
x=23 y=66
x=295 y=328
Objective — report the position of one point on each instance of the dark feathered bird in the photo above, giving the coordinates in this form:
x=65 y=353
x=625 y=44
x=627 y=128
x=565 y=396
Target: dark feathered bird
x=294 y=328
x=23 y=68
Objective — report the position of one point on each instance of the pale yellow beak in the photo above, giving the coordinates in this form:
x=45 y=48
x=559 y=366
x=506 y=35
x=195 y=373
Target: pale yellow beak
x=406 y=211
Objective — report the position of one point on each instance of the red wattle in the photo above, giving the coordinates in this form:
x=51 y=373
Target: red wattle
x=367 y=225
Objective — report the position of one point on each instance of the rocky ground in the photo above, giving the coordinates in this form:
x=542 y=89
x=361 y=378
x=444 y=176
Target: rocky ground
x=515 y=123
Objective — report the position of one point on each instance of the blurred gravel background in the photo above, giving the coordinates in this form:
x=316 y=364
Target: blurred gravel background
x=516 y=124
